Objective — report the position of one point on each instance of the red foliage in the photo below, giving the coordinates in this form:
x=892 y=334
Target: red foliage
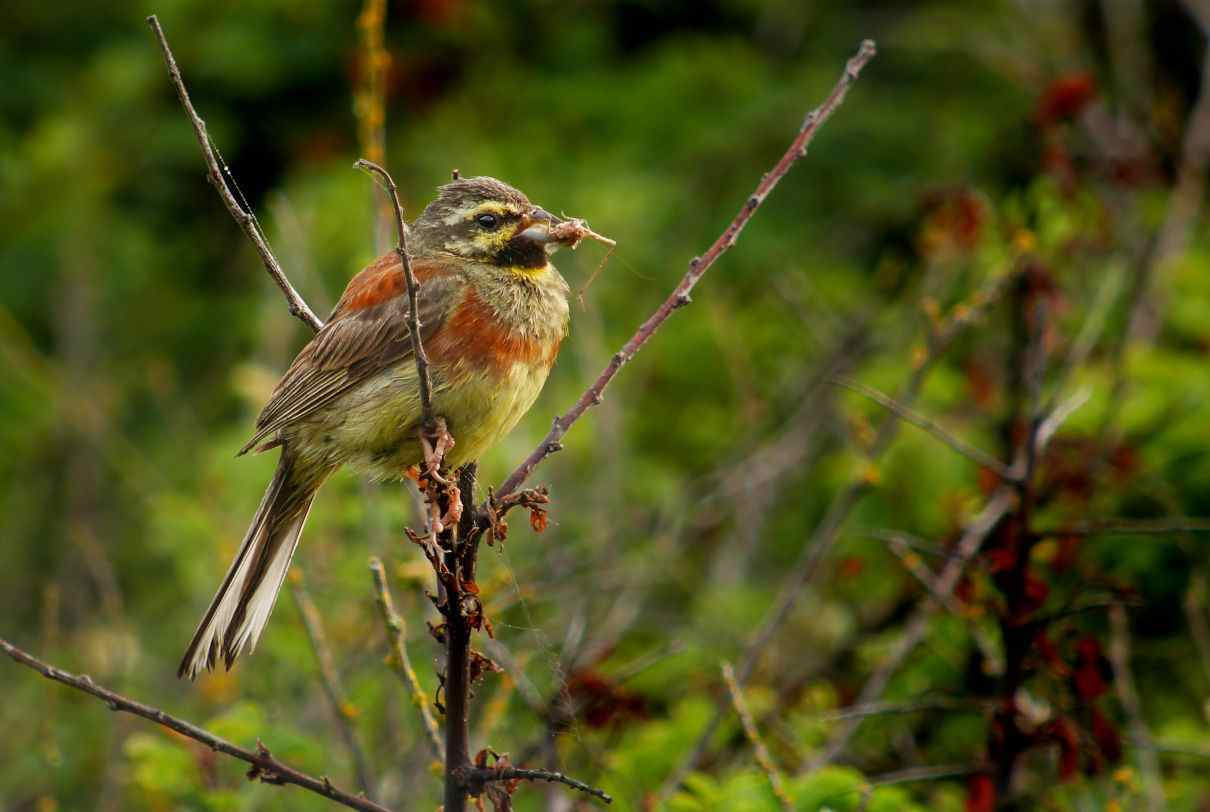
x=851 y=566
x=600 y=700
x=1063 y=732
x=1106 y=735
x=1050 y=655
x=1089 y=676
x=980 y=794
x=1064 y=98
x=953 y=223
x=1036 y=592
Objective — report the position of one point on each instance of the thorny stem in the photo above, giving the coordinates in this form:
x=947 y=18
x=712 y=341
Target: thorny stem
x=246 y=219
x=698 y=266
x=265 y=767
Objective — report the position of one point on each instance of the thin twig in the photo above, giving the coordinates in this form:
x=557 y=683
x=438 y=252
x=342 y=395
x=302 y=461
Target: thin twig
x=758 y=745
x=900 y=708
x=978 y=456
x=820 y=543
x=1123 y=680
x=313 y=624
x=997 y=507
x=1178 y=525
x=265 y=767
x=246 y=219
x=698 y=266
x=992 y=659
x=400 y=662
x=486 y=775
x=422 y=358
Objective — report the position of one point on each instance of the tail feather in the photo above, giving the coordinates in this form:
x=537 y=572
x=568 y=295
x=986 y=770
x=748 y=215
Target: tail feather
x=243 y=603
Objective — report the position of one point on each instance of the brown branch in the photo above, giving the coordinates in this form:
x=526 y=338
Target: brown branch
x=997 y=507
x=698 y=266
x=400 y=662
x=246 y=219
x=758 y=745
x=988 y=648
x=422 y=358
x=313 y=624
x=975 y=455
x=459 y=604
x=265 y=767
x=477 y=777
x=1180 y=525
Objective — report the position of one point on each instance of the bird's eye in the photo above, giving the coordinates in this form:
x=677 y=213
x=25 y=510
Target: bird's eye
x=488 y=221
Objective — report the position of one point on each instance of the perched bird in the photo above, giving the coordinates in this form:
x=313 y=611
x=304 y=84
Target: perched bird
x=493 y=312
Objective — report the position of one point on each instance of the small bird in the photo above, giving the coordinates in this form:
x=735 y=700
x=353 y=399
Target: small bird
x=493 y=312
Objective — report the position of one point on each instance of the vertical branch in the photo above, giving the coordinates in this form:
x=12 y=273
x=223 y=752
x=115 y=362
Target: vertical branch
x=400 y=662
x=329 y=678
x=369 y=103
x=460 y=562
x=422 y=358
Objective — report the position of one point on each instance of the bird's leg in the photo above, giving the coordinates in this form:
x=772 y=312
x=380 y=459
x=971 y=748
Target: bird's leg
x=435 y=441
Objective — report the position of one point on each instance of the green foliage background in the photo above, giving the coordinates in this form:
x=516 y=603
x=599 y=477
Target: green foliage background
x=139 y=336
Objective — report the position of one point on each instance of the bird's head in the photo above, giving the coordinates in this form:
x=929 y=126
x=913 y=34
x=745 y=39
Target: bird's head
x=488 y=221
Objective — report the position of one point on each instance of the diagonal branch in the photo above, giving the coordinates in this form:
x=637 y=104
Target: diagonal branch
x=328 y=677
x=1003 y=500
x=698 y=266
x=976 y=455
x=264 y=766
x=758 y=745
x=244 y=216
x=400 y=662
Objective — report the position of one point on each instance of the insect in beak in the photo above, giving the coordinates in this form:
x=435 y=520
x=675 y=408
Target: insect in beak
x=535 y=226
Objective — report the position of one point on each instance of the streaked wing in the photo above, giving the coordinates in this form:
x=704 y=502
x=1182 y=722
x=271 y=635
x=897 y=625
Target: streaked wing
x=367 y=332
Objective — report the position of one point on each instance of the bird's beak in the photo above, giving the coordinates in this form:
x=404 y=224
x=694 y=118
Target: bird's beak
x=535 y=225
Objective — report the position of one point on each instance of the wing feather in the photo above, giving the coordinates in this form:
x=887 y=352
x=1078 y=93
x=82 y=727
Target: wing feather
x=366 y=333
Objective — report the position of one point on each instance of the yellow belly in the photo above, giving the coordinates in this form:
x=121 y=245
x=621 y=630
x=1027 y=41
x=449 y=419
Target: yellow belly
x=373 y=428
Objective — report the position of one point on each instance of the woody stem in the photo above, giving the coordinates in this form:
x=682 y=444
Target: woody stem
x=460 y=561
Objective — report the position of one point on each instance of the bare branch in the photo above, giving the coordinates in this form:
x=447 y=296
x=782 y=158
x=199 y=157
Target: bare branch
x=1003 y=499
x=246 y=219
x=1179 y=525
x=758 y=745
x=988 y=648
x=698 y=266
x=400 y=662
x=484 y=775
x=977 y=456
x=313 y=624
x=265 y=767
x=997 y=507
x=422 y=358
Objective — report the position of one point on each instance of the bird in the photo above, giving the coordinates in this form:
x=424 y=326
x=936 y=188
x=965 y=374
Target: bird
x=493 y=313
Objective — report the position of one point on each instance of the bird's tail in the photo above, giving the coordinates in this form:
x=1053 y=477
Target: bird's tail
x=241 y=608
